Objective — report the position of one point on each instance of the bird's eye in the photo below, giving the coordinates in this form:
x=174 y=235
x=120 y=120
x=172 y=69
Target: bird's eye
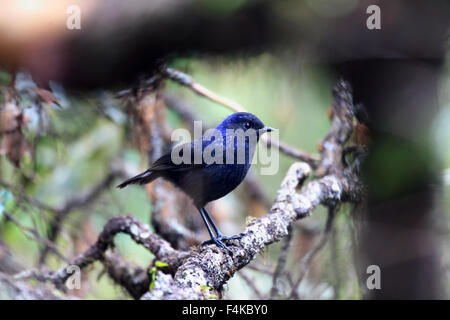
x=247 y=125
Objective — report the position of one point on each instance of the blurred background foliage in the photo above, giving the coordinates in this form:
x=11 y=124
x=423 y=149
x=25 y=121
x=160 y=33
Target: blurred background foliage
x=84 y=142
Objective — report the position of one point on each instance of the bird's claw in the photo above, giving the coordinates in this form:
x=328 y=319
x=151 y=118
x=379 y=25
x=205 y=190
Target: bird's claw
x=219 y=241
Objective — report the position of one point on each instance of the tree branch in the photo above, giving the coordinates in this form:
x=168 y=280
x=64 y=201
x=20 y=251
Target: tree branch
x=251 y=283
x=201 y=90
x=138 y=231
x=282 y=257
x=134 y=279
x=311 y=254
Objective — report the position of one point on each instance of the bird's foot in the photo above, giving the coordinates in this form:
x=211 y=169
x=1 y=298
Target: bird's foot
x=218 y=241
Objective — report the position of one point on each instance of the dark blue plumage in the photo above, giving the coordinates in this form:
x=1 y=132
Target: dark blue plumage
x=207 y=181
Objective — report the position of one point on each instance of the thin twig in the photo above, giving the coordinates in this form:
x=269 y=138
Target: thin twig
x=335 y=263
x=251 y=283
x=304 y=264
x=49 y=245
x=78 y=201
x=354 y=232
x=282 y=258
x=261 y=268
x=138 y=231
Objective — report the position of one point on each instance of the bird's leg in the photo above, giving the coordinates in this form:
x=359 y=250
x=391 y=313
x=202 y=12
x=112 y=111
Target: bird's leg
x=216 y=230
x=206 y=223
x=219 y=237
x=211 y=221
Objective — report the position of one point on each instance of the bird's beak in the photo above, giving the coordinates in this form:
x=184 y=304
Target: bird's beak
x=266 y=129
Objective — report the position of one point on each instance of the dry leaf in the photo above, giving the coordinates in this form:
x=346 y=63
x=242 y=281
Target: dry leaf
x=14 y=144
x=47 y=96
x=362 y=134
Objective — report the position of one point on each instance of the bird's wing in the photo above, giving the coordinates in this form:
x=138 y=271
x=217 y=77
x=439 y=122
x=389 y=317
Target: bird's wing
x=165 y=162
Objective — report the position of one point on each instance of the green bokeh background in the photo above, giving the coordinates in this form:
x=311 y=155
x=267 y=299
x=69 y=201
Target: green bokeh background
x=292 y=98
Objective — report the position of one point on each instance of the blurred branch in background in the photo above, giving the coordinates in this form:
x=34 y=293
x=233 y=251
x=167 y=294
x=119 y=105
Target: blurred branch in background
x=139 y=232
x=148 y=122
x=251 y=283
x=311 y=254
x=22 y=290
x=34 y=234
x=78 y=201
x=276 y=291
x=199 y=89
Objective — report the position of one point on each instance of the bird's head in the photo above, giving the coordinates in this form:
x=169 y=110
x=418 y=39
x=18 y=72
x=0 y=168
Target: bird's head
x=244 y=121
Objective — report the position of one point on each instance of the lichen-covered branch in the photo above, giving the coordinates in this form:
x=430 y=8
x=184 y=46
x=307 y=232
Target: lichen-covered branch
x=11 y=288
x=212 y=266
x=138 y=231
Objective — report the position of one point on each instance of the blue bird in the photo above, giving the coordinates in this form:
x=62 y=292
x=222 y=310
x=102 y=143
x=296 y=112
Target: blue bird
x=219 y=166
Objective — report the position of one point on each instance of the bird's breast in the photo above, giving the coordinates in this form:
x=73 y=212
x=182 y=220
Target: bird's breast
x=221 y=179
x=215 y=180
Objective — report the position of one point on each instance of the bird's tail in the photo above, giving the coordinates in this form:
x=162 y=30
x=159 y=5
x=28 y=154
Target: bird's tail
x=143 y=178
